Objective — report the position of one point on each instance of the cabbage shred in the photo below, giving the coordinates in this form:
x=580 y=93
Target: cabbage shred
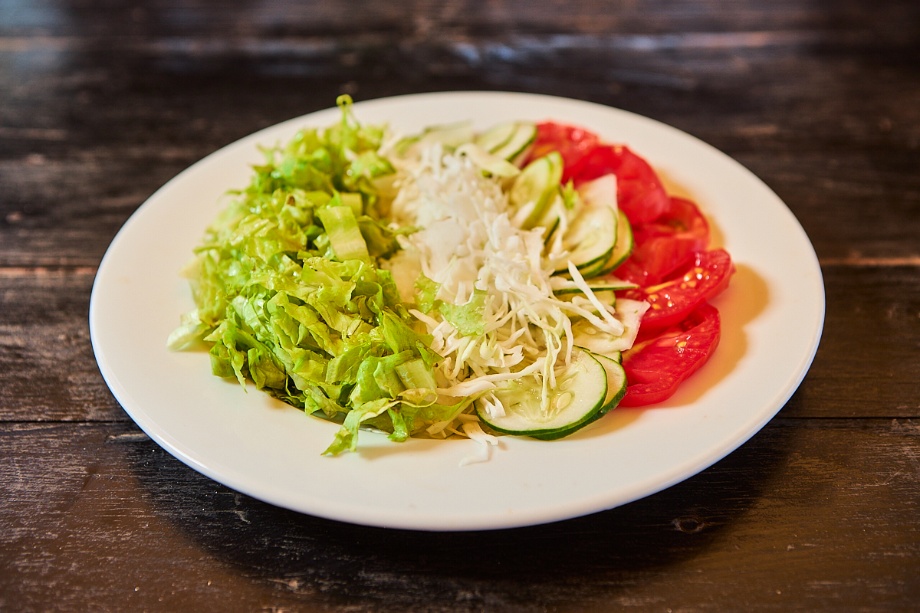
x=382 y=286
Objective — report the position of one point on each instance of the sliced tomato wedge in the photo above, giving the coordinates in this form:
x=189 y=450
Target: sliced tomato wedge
x=655 y=368
x=666 y=245
x=640 y=194
x=572 y=143
x=639 y=190
x=673 y=300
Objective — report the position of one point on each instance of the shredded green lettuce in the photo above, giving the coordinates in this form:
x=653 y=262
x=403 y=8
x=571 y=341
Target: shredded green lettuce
x=289 y=297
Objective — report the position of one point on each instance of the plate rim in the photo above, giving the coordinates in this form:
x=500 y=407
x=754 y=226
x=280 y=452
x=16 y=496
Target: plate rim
x=555 y=512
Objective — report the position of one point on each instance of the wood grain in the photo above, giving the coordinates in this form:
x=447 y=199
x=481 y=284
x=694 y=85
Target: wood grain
x=94 y=125
x=125 y=524
x=102 y=103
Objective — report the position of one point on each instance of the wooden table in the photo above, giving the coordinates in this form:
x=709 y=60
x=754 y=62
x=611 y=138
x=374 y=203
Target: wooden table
x=102 y=103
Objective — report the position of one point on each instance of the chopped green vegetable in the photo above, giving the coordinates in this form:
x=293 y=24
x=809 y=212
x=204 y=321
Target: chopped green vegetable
x=288 y=294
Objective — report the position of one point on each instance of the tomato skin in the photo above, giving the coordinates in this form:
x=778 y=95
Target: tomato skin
x=639 y=190
x=666 y=245
x=572 y=143
x=673 y=300
x=640 y=194
x=655 y=368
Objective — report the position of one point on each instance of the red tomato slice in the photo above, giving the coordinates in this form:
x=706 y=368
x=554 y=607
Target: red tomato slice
x=655 y=368
x=572 y=143
x=675 y=299
x=666 y=245
x=640 y=193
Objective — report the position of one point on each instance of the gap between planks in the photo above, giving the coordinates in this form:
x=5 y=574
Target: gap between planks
x=564 y=40
x=869 y=262
x=19 y=272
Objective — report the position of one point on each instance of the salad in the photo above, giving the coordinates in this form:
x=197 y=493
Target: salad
x=523 y=280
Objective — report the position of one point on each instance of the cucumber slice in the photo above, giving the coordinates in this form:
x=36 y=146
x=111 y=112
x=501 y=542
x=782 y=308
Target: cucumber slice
x=489 y=163
x=616 y=381
x=622 y=248
x=605 y=297
x=493 y=138
x=449 y=135
x=596 y=269
x=616 y=384
x=590 y=240
x=509 y=141
x=518 y=144
x=536 y=187
x=564 y=285
x=554 y=212
x=580 y=393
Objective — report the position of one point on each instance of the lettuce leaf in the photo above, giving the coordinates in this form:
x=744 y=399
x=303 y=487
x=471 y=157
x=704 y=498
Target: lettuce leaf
x=289 y=297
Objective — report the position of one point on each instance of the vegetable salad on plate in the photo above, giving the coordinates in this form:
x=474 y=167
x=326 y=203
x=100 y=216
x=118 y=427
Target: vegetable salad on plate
x=521 y=280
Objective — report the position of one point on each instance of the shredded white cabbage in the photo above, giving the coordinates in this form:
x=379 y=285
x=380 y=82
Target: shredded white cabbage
x=469 y=244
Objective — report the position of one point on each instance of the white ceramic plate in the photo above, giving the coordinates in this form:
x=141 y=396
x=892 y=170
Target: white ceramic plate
x=772 y=316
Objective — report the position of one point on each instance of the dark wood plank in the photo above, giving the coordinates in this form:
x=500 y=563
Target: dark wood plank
x=867 y=356
x=97 y=122
x=47 y=368
x=104 y=102
x=799 y=518
x=424 y=17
